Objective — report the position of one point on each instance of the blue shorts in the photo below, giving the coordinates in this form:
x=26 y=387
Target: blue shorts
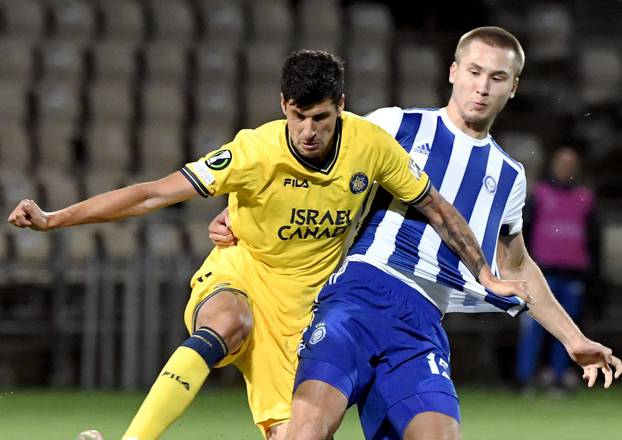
x=382 y=345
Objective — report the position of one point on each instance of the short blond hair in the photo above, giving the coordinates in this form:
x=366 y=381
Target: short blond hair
x=496 y=37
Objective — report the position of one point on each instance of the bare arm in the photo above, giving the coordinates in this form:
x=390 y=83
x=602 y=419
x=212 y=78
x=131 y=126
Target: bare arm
x=126 y=202
x=456 y=233
x=514 y=261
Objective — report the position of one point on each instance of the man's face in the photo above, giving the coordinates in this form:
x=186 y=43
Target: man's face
x=311 y=128
x=483 y=79
x=565 y=165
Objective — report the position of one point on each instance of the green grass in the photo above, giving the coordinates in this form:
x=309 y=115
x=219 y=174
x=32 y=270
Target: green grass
x=222 y=414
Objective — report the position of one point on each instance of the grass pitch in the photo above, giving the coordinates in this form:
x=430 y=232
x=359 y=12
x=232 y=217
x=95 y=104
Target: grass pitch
x=222 y=414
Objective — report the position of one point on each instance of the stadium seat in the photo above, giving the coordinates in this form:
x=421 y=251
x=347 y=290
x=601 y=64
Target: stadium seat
x=58 y=101
x=73 y=20
x=332 y=45
x=97 y=181
x=206 y=136
x=163 y=103
x=223 y=20
x=16 y=186
x=55 y=145
x=60 y=188
x=122 y=20
x=111 y=101
x=62 y=60
x=216 y=62
x=23 y=18
x=325 y=33
x=108 y=149
x=15 y=151
x=120 y=240
x=32 y=248
x=114 y=60
x=362 y=99
x=600 y=70
x=271 y=20
x=551 y=23
x=369 y=22
x=419 y=73
x=173 y=20
x=13 y=101
x=200 y=244
x=368 y=62
x=17 y=59
x=262 y=102
x=216 y=100
x=202 y=211
x=161 y=151
x=264 y=60
x=166 y=62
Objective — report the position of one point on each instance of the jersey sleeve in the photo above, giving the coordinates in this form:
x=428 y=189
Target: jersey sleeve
x=399 y=174
x=234 y=167
x=387 y=118
x=512 y=222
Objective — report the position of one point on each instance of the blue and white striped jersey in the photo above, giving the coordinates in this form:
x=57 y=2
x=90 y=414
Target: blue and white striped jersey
x=477 y=177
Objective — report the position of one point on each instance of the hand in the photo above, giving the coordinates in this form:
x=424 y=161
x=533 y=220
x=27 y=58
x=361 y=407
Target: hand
x=220 y=230
x=27 y=214
x=505 y=287
x=592 y=356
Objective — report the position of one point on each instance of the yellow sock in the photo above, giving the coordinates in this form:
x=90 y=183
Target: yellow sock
x=179 y=381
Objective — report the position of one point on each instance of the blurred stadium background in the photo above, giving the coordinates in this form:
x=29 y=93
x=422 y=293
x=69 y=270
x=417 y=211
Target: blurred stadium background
x=95 y=94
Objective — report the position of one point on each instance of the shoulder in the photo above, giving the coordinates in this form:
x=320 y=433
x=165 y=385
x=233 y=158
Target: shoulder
x=507 y=158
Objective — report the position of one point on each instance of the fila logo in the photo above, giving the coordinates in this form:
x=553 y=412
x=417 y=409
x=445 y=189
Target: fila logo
x=173 y=376
x=295 y=183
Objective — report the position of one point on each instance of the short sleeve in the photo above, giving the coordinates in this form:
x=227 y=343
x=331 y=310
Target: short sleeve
x=232 y=168
x=399 y=174
x=387 y=118
x=512 y=222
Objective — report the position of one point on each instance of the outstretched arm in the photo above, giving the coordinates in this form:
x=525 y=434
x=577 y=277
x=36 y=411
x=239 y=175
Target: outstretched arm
x=456 y=233
x=126 y=202
x=514 y=261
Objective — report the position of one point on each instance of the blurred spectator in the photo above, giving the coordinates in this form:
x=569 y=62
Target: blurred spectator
x=563 y=235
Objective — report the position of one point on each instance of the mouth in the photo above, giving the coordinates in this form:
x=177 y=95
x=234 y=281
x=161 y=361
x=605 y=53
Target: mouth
x=480 y=105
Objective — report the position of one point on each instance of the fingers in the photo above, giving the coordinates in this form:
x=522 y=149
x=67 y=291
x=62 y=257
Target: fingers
x=589 y=375
x=608 y=375
x=617 y=366
x=20 y=216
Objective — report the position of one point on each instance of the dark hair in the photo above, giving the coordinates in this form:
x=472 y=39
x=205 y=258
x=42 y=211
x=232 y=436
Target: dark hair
x=496 y=37
x=311 y=76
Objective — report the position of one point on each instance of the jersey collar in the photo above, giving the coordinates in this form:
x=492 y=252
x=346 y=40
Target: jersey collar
x=331 y=159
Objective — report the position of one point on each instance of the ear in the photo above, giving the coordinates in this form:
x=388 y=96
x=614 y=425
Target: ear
x=514 y=87
x=283 y=105
x=452 y=72
x=341 y=105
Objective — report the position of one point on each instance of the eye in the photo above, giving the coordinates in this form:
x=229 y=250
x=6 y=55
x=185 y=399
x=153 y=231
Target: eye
x=474 y=72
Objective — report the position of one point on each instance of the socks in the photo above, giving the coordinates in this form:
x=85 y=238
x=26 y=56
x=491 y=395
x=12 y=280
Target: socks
x=177 y=384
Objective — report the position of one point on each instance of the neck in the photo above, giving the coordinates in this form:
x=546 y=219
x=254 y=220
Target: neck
x=477 y=130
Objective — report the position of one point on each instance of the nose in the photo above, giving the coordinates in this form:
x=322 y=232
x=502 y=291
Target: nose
x=483 y=85
x=308 y=129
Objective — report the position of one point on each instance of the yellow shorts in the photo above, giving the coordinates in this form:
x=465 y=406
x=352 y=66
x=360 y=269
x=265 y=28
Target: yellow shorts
x=267 y=358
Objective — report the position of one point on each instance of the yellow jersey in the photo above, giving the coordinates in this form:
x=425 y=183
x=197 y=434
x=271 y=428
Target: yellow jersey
x=292 y=217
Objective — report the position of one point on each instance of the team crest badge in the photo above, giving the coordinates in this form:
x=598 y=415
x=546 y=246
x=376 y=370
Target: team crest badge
x=318 y=334
x=359 y=183
x=490 y=184
x=218 y=160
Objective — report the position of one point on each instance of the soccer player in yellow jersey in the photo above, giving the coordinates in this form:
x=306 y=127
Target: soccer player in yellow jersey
x=296 y=187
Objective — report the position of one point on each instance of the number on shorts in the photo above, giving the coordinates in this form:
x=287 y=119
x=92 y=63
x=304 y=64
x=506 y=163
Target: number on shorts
x=434 y=367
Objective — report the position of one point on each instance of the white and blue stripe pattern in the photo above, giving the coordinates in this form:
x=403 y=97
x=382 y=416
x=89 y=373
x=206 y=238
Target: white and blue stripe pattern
x=477 y=177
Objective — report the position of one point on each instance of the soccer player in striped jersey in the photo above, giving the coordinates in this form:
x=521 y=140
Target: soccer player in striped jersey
x=376 y=338
x=296 y=187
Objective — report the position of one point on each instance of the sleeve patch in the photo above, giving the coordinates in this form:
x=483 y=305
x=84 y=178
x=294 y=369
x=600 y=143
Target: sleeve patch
x=204 y=173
